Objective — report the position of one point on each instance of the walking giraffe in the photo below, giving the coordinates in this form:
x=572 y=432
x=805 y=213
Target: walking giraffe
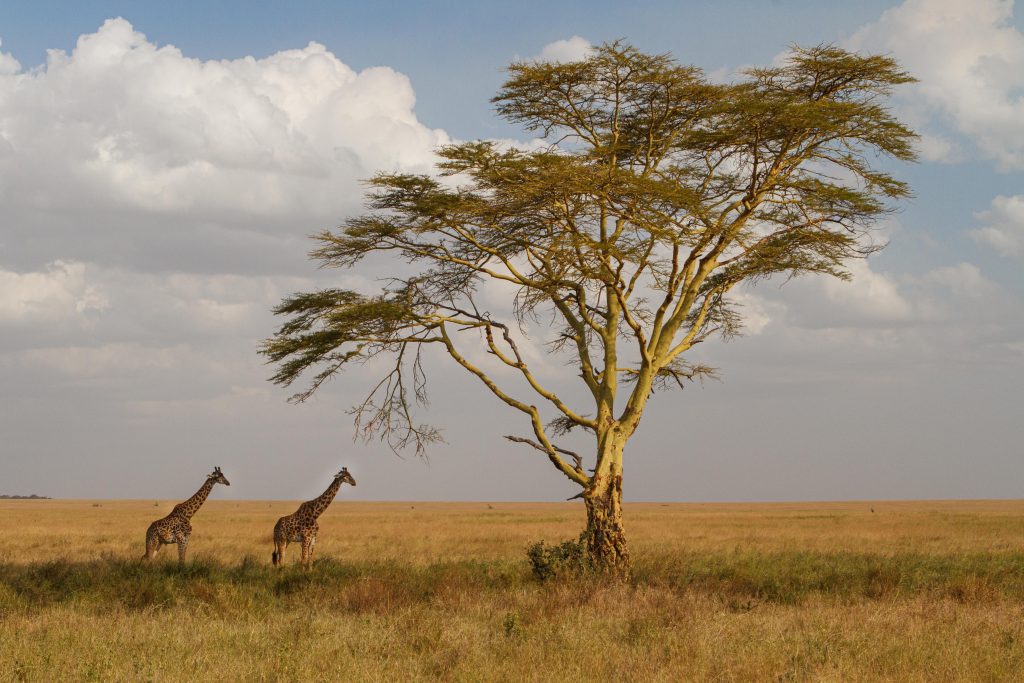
x=175 y=527
x=301 y=525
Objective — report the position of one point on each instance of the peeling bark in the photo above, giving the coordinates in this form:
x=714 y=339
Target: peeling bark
x=605 y=535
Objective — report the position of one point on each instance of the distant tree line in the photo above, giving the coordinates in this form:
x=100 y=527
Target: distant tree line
x=32 y=497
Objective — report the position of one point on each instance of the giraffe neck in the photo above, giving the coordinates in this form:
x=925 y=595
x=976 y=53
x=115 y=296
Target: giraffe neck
x=320 y=503
x=190 y=506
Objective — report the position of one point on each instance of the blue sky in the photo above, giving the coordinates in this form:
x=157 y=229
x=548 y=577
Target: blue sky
x=155 y=202
x=452 y=51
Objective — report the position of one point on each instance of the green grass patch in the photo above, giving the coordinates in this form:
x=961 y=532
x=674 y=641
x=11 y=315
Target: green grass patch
x=791 y=577
x=740 y=578
x=330 y=585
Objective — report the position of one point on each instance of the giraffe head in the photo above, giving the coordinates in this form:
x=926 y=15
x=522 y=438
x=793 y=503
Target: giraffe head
x=345 y=477
x=218 y=477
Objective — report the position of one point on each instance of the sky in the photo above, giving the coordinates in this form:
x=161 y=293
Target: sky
x=162 y=166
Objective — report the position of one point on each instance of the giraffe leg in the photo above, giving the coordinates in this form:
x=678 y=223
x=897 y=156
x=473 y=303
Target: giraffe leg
x=182 y=547
x=307 y=550
x=152 y=545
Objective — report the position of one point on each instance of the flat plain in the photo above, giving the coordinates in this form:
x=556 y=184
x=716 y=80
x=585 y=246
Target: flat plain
x=855 y=591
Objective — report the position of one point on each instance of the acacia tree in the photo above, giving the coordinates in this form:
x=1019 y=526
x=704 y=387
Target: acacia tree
x=656 y=193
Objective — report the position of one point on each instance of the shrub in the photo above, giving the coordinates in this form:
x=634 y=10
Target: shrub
x=566 y=558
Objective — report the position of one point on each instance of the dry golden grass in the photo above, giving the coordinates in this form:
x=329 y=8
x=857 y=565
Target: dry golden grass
x=922 y=591
x=419 y=533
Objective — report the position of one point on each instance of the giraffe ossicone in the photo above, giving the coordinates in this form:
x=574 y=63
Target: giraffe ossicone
x=175 y=527
x=301 y=526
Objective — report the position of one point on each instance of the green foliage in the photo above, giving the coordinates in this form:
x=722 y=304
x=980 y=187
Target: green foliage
x=322 y=322
x=567 y=560
x=657 y=194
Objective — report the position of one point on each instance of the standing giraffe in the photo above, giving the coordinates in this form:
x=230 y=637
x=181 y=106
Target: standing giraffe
x=301 y=525
x=175 y=527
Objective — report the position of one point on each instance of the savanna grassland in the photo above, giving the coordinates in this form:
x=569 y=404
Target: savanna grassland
x=922 y=591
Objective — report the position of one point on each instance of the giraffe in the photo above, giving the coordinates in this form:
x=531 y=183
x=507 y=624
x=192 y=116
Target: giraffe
x=175 y=527
x=301 y=525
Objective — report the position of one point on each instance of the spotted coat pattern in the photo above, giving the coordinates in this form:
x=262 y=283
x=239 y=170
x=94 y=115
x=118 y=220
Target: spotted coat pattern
x=301 y=526
x=176 y=527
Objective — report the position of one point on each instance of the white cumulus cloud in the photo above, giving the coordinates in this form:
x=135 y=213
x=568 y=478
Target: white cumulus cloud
x=58 y=293
x=120 y=133
x=869 y=295
x=148 y=200
x=873 y=301
x=154 y=206
x=969 y=59
x=963 y=280
x=574 y=49
x=1003 y=225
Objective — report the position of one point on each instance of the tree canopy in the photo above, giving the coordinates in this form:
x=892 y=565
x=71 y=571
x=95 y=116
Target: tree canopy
x=652 y=194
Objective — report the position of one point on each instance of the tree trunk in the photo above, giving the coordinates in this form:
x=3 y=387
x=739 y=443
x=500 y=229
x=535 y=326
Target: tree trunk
x=606 y=537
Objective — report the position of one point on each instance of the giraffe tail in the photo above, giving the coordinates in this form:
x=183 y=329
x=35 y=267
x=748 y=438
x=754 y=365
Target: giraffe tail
x=273 y=557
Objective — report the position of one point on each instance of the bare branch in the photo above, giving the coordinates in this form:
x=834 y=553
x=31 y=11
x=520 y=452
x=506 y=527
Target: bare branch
x=577 y=459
